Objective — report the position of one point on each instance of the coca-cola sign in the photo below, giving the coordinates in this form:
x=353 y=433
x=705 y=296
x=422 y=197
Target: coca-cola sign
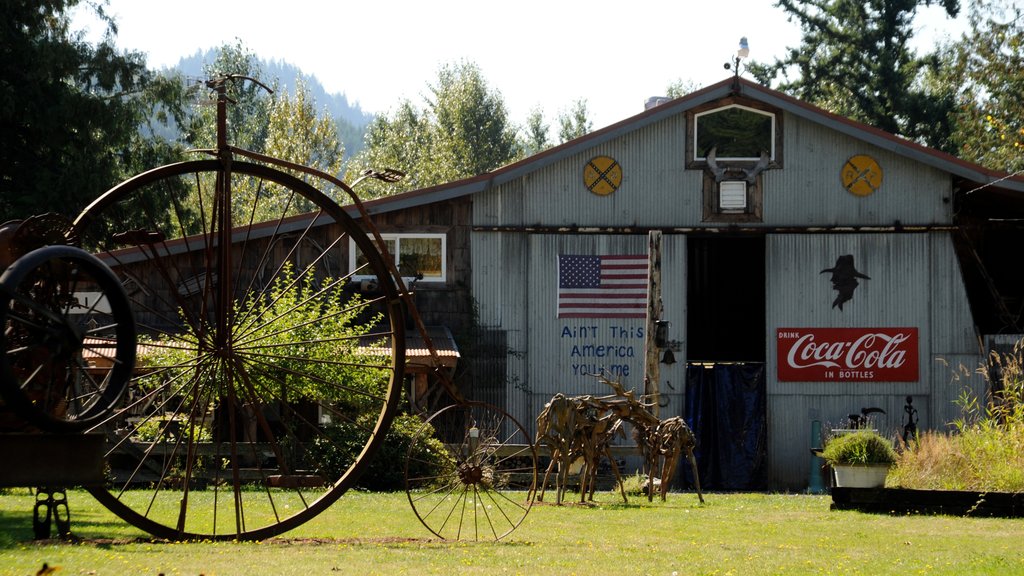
x=847 y=354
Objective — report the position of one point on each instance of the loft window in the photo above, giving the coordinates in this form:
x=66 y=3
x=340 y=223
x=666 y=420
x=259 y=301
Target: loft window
x=738 y=133
x=413 y=254
x=745 y=136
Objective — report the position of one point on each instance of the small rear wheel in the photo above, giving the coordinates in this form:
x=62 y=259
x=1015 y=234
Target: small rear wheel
x=487 y=488
x=68 y=339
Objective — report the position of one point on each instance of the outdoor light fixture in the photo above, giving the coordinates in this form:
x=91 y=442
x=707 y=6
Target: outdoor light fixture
x=389 y=175
x=661 y=333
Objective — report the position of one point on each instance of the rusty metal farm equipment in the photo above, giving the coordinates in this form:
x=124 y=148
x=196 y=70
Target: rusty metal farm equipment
x=201 y=321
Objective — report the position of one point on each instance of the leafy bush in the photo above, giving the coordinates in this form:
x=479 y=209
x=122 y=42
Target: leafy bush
x=341 y=444
x=635 y=485
x=860 y=447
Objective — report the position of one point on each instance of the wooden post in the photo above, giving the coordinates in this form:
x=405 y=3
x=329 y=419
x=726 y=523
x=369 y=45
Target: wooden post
x=652 y=369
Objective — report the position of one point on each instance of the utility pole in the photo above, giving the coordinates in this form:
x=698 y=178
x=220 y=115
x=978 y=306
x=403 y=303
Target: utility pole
x=652 y=369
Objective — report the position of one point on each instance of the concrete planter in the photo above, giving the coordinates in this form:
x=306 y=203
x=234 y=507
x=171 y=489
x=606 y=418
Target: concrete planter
x=861 y=475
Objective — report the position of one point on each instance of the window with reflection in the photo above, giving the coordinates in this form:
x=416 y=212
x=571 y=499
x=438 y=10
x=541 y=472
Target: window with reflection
x=413 y=254
x=735 y=132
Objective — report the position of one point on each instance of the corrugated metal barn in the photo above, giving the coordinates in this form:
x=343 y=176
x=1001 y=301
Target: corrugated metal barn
x=811 y=267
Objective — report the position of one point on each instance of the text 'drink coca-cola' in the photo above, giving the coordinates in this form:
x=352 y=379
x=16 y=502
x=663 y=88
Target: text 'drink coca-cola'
x=847 y=354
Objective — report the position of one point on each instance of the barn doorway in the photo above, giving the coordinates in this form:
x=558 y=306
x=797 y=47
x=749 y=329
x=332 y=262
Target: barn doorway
x=726 y=399
x=725 y=287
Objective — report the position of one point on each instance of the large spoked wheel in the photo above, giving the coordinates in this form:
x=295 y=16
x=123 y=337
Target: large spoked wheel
x=265 y=378
x=68 y=339
x=488 y=486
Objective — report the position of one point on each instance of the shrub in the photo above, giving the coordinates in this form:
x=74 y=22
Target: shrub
x=340 y=446
x=860 y=447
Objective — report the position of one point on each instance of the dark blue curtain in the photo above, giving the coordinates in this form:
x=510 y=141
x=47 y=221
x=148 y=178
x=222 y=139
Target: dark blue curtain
x=725 y=408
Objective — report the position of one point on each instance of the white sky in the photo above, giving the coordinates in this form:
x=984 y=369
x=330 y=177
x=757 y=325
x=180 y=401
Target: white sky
x=537 y=54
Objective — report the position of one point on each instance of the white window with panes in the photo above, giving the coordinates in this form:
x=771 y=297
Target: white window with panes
x=420 y=256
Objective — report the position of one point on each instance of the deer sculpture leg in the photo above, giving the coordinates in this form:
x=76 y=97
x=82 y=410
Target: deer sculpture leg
x=547 y=474
x=618 y=477
x=696 y=476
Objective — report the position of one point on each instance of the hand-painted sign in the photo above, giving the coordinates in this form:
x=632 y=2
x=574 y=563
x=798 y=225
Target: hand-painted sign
x=847 y=354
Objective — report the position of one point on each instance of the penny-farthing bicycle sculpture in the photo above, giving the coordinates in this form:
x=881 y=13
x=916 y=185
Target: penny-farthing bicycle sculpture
x=264 y=379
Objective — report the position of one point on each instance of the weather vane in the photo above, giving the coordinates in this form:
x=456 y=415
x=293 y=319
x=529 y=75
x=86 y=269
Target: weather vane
x=743 y=52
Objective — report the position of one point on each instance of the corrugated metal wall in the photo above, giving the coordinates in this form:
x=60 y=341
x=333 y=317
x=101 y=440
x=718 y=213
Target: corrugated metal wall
x=808 y=189
x=914 y=282
x=516 y=284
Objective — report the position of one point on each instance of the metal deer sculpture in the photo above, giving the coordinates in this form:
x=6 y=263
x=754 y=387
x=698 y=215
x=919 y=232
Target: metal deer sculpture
x=577 y=430
x=580 y=429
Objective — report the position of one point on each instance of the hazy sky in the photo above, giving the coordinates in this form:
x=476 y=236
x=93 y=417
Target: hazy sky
x=537 y=54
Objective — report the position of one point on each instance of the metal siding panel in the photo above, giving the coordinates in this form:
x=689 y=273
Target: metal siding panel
x=952 y=323
x=808 y=190
x=673 y=296
x=656 y=189
x=903 y=291
x=559 y=347
x=499 y=290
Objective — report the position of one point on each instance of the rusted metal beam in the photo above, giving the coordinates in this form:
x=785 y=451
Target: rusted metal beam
x=711 y=230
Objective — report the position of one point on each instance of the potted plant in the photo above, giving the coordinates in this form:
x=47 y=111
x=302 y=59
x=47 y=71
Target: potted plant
x=860 y=458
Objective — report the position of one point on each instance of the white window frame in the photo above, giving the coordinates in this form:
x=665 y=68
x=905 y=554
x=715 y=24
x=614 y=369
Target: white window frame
x=696 y=129
x=397 y=239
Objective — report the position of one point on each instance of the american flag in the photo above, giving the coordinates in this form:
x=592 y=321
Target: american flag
x=602 y=286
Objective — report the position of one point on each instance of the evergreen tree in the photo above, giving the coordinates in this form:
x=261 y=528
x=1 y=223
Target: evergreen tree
x=70 y=111
x=855 y=60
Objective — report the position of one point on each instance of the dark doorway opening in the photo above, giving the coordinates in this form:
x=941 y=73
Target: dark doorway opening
x=725 y=309
x=726 y=400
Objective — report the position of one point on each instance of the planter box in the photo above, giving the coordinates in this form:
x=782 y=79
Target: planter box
x=861 y=476
x=907 y=501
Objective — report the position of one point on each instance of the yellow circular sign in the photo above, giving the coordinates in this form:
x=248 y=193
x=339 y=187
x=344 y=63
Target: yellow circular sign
x=862 y=175
x=602 y=175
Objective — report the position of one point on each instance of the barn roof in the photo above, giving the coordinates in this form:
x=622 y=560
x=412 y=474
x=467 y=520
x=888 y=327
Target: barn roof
x=975 y=175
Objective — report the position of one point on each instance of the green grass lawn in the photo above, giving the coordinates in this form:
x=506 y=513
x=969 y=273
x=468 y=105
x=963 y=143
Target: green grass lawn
x=379 y=534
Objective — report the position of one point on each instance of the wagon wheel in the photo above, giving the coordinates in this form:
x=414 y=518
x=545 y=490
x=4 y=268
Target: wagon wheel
x=68 y=339
x=488 y=486
x=265 y=379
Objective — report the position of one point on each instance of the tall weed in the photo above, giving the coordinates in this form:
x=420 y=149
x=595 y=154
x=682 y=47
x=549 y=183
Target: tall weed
x=985 y=452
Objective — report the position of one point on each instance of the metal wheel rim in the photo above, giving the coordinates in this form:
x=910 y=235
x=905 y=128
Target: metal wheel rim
x=259 y=477
x=491 y=488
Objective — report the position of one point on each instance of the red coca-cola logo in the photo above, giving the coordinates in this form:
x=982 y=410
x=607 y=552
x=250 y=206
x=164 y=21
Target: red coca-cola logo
x=847 y=354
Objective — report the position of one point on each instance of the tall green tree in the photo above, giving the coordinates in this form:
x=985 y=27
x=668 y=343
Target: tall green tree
x=855 y=60
x=573 y=123
x=298 y=132
x=462 y=130
x=985 y=69
x=536 y=134
x=70 y=111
